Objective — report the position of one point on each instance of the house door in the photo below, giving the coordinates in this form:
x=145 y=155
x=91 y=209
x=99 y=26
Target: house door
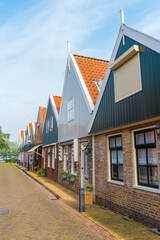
x=84 y=165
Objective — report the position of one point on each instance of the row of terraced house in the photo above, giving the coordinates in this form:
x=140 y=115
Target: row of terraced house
x=105 y=128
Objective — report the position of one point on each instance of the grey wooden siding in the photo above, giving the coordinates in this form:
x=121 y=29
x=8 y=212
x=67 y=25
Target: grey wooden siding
x=140 y=106
x=79 y=126
x=51 y=136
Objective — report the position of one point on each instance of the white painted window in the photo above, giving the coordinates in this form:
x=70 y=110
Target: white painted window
x=51 y=123
x=70 y=109
x=73 y=162
x=47 y=125
x=53 y=156
x=49 y=158
x=65 y=158
x=60 y=152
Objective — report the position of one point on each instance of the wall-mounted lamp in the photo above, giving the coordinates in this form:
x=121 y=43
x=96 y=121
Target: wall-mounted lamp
x=87 y=149
x=157 y=129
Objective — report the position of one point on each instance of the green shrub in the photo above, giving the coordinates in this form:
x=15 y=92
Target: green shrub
x=71 y=176
x=63 y=173
x=42 y=170
x=35 y=163
x=88 y=185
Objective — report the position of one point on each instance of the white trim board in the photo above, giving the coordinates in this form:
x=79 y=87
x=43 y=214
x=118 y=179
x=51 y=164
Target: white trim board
x=138 y=36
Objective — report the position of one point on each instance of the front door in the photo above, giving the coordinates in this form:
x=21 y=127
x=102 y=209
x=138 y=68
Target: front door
x=84 y=165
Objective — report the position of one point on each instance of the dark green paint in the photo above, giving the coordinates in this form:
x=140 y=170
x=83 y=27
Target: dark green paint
x=51 y=136
x=140 y=106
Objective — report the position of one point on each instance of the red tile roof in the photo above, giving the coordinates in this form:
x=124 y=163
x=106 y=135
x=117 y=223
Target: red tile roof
x=42 y=114
x=21 y=134
x=91 y=69
x=57 y=101
x=29 y=126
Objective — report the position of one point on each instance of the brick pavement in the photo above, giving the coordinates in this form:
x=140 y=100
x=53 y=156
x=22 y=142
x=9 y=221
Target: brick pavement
x=37 y=214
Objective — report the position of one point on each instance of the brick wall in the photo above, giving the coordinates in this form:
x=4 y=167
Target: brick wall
x=50 y=172
x=66 y=182
x=142 y=205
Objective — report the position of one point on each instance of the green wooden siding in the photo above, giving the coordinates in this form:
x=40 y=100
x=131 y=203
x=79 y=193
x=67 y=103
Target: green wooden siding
x=140 y=106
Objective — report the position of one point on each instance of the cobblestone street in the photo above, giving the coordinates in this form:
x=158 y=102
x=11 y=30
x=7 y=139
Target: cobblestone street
x=34 y=213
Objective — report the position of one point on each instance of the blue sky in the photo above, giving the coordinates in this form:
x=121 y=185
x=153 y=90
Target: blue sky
x=33 y=46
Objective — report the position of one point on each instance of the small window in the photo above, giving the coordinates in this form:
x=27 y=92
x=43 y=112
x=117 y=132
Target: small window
x=147 y=159
x=49 y=160
x=53 y=156
x=70 y=109
x=73 y=163
x=65 y=158
x=116 y=157
x=51 y=123
x=47 y=125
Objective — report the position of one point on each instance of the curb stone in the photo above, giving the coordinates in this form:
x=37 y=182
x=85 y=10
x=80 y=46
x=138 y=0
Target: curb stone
x=52 y=192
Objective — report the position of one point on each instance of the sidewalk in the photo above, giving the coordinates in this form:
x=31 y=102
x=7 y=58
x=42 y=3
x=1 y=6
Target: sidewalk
x=110 y=221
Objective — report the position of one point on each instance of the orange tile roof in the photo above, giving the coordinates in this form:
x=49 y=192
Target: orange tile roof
x=30 y=125
x=91 y=69
x=57 y=101
x=21 y=134
x=35 y=124
x=42 y=114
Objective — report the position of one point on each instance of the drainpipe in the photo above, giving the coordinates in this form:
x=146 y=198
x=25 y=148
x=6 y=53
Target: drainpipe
x=93 y=168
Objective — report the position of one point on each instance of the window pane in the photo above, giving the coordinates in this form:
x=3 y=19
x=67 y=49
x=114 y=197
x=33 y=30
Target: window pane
x=118 y=141
x=140 y=138
x=114 y=171
x=112 y=142
x=143 y=175
x=120 y=172
x=113 y=157
x=153 y=175
x=142 y=157
x=150 y=138
x=152 y=156
x=120 y=156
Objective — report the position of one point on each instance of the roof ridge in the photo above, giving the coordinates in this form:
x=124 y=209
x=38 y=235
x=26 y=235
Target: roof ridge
x=91 y=57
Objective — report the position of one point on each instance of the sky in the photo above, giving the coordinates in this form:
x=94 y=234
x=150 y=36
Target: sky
x=33 y=47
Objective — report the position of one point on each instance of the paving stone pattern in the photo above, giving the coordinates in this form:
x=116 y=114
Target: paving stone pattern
x=33 y=215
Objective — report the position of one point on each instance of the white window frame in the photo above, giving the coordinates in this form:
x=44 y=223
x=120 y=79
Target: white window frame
x=66 y=153
x=136 y=186
x=49 y=160
x=47 y=125
x=73 y=162
x=51 y=123
x=109 y=161
x=70 y=109
x=53 y=156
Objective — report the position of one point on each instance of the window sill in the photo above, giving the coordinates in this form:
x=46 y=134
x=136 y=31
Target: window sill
x=116 y=182
x=148 y=189
x=53 y=168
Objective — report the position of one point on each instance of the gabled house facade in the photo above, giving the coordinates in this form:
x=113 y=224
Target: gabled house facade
x=82 y=83
x=31 y=155
x=127 y=148
x=50 y=137
x=20 y=146
x=39 y=136
x=27 y=143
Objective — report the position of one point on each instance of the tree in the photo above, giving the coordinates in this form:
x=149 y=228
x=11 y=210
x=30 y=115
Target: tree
x=4 y=138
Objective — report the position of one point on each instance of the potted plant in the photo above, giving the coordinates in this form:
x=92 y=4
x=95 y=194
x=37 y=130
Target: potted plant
x=42 y=172
x=88 y=193
x=35 y=164
x=72 y=177
x=64 y=174
x=88 y=187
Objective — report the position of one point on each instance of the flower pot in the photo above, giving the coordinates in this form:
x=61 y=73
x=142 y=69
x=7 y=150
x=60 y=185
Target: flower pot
x=43 y=175
x=88 y=189
x=72 y=179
